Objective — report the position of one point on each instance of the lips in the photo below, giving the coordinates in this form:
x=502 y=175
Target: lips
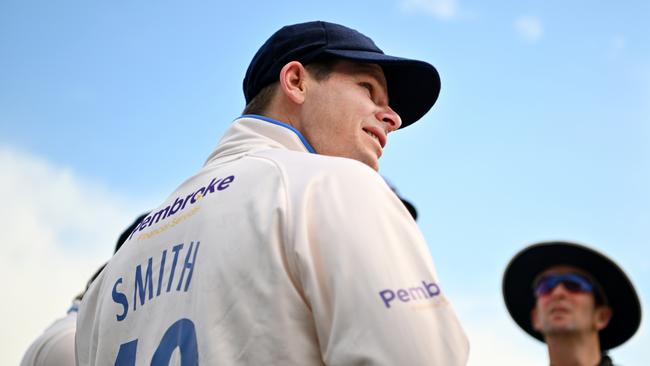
x=559 y=308
x=376 y=133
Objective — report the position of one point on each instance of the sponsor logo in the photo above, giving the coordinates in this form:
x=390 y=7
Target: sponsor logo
x=403 y=295
x=181 y=202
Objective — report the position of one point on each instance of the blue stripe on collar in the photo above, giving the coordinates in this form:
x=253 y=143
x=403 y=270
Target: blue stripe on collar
x=278 y=123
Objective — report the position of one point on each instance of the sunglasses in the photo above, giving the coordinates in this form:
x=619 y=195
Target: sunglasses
x=574 y=283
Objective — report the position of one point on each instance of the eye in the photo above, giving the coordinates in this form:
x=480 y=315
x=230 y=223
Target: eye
x=368 y=87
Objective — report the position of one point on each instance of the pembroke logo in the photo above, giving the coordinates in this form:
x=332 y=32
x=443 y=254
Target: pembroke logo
x=416 y=294
x=218 y=184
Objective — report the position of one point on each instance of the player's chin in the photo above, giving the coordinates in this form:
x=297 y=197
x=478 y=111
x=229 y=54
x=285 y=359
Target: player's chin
x=368 y=155
x=371 y=160
x=375 y=166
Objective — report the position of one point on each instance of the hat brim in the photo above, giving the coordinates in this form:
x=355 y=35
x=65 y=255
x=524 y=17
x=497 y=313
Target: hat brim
x=413 y=86
x=527 y=264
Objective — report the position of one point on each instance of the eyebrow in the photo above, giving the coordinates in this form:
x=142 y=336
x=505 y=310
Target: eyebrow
x=378 y=74
x=369 y=68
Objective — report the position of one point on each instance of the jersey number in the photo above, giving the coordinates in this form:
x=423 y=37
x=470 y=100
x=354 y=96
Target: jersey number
x=181 y=335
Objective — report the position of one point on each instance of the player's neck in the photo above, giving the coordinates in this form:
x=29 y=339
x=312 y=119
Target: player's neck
x=282 y=109
x=574 y=349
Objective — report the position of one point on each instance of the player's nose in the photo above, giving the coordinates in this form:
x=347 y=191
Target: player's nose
x=389 y=118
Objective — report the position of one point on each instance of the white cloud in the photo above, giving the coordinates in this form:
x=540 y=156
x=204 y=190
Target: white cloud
x=442 y=9
x=56 y=230
x=529 y=28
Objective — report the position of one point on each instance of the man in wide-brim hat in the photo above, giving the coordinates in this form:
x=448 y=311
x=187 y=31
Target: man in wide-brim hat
x=576 y=300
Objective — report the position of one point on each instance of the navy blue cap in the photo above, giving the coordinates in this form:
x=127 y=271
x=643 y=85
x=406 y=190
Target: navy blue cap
x=413 y=86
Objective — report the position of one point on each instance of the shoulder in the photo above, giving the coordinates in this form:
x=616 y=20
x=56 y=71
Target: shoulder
x=55 y=346
x=303 y=168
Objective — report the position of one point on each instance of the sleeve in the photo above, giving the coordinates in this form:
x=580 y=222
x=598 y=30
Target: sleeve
x=86 y=337
x=368 y=276
x=55 y=346
x=59 y=351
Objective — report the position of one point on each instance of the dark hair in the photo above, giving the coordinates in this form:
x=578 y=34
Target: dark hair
x=320 y=70
x=123 y=237
x=127 y=232
x=261 y=101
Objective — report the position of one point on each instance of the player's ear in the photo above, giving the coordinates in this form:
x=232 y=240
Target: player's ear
x=293 y=79
x=534 y=319
x=602 y=316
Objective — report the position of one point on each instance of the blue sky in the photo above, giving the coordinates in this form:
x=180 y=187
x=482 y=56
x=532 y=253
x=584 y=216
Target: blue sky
x=541 y=132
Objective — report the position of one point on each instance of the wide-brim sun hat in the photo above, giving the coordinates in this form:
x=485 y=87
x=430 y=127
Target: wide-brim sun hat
x=621 y=296
x=413 y=85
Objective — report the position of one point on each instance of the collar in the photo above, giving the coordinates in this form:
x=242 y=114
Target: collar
x=250 y=133
x=74 y=307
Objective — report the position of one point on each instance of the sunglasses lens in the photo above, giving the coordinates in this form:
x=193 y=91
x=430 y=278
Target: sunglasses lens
x=572 y=282
x=573 y=286
x=545 y=286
